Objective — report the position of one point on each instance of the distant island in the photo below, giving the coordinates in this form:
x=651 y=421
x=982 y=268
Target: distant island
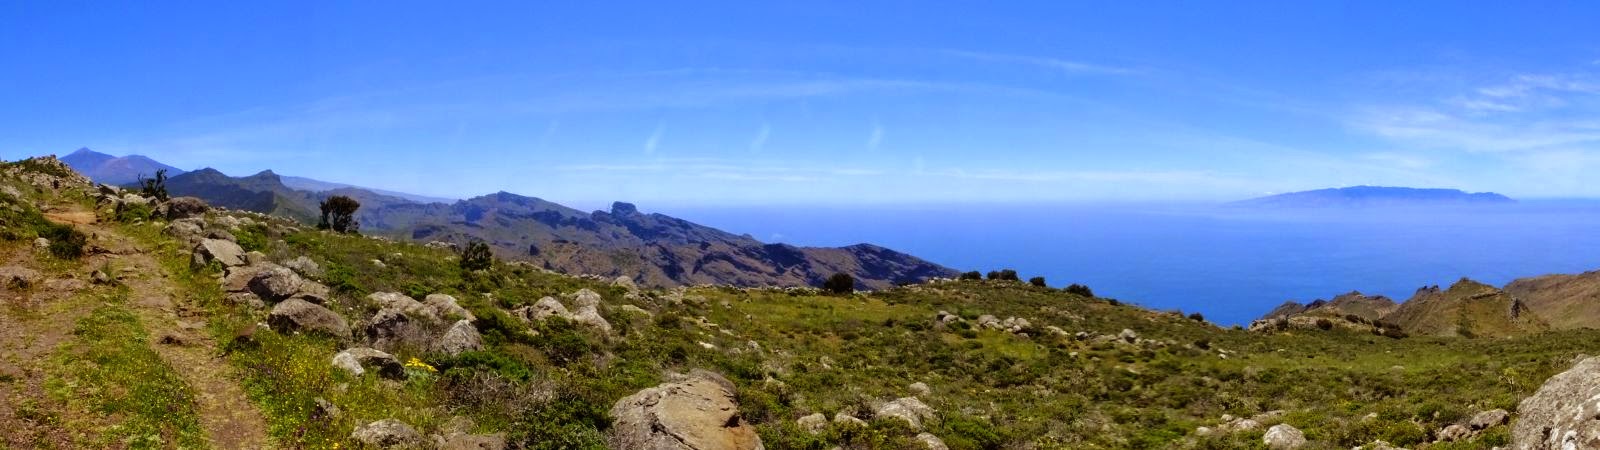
x=1367 y=196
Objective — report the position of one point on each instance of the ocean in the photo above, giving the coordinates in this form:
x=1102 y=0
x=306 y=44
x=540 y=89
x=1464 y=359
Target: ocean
x=1229 y=264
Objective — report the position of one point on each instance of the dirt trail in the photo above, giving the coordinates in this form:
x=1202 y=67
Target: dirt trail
x=30 y=330
x=178 y=334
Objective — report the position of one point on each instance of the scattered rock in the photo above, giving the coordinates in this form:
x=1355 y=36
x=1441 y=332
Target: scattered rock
x=357 y=360
x=392 y=328
x=295 y=315
x=184 y=208
x=1489 y=419
x=544 y=308
x=814 y=423
x=625 y=283
x=910 y=409
x=400 y=302
x=461 y=337
x=1128 y=336
x=590 y=316
x=387 y=433
x=220 y=251
x=933 y=442
x=920 y=388
x=586 y=298
x=848 y=420
x=697 y=413
x=446 y=307
x=276 y=284
x=304 y=266
x=1378 y=445
x=17 y=277
x=1284 y=437
x=1455 y=432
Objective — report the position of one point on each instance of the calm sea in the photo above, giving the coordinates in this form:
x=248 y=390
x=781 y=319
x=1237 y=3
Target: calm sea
x=1230 y=265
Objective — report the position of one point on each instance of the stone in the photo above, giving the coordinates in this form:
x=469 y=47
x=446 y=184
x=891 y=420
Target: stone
x=386 y=434
x=590 y=316
x=400 y=302
x=41 y=243
x=933 y=442
x=392 y=328
x=586 y=297
x=244 y=299
x=186 y=230
x=275 y=284
x=814 y=423
x=18 y=277
x=237 y=279
x=135 y=199
x=305 y=267
x=1284 y=437
x=1564 y=413
x=848 y=420
x=464 y=441
x=1128 y=336
x=461 y=337
x=185 y=207
x=544 y=308
x=295 y=315
x=1378 y=445
x=920 y=388
x=625 y=283
x=696 y=413
x=1455 y=432
x=357 y=360
x=446 y=307
x=226 y=253
x=910 y=409
x=1489 y=418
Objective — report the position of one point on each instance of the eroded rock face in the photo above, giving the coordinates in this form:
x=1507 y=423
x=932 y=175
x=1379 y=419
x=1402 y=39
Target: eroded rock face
x=296 y=315
x=1564 y=413
x=386 y=434
x=697 y=413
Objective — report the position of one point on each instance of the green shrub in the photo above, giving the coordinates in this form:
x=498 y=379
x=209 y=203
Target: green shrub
x=476 y=257
x=1037 y=282
x=840 y=283
x=1079 y=289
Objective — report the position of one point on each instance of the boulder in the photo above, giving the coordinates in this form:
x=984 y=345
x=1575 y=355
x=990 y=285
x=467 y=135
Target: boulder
x=625 y=283
x=275 y=284
x=18 y=277
x=695 y=413
x=933 y=442
x=358 y=360
x=184 y=208
x=1455 y=432
x=386 y=434
x=1378 y=445
x=1284 y=437
x=920 y=388
x=461 y=337
x=543 y=309
x=1128 y=336
x=304 y=266
x=814 y=423
x=843 y=419
x=220 y=251
x=590 y=316
x=397 y=301
x=910 y=409
x=1490 y=418
x=446 y=307
x=314 y=292
x=463 y=441
x=135 y=199
x=237 y=279
x=185 y=230
x=585 y=297
x=1562 y=414
x=295 y=315
x=392 y=328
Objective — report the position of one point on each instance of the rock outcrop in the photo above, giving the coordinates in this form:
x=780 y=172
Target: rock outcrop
x=358 y=360
x=1564 y=413
x=1284 y=437
x=387 y=434
x=698 y=412
x=296 y=315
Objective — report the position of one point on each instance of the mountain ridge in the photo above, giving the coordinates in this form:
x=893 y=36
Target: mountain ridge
x=115 y=170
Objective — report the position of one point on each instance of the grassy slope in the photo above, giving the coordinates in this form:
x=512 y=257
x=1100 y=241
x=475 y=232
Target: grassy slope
x=819 y=353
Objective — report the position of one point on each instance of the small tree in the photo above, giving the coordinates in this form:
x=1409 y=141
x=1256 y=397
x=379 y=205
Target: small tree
x=1009 y=275
x=339 y=214
x=992 y=275
x=154 y=187
x=476 y=257
x=1079 y=289
x=973 y=275
x=1197 y=317
x=1037 y=282
x=840 y=283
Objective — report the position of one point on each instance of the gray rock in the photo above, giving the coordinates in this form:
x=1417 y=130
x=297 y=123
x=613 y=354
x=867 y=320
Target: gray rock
x=237 y=279
x=400 y=302
x=585 y=297
x=1455 y=432
x=295 y=315
x=1378 y=445
x=446 y=307
x=18 y=277
x=463 y=441
x=625 y=283
x=276 y=284
x=386 y=434
x=1562 y=414
x=392 y=328
x=698 y=413
x=135 y=199
x=1284 y=437
x=461 y=337
x=220 y=251
x=590 y=316
x=357 y=360
x=304 y=266
x=814 y=423
x=185 y=230
x=1128 y=336
x=933 y=442
x=544 y=308
x=910 y=409
x=185 y=207
x=920 y=388
x=1488 y=419
x=843 y=419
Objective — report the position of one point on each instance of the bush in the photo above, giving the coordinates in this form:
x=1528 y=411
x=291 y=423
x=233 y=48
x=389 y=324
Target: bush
x=1325 y=324
x=1004 y=275
x=973 y=275
x=65 y=242
x=1197 y=317
x=1038 y=282
x=338 y=214
x=476 y=257
x=154 y=187
x=840 y=283
x=1079 y=289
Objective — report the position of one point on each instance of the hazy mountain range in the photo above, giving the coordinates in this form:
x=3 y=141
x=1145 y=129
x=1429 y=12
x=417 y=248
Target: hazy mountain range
x=653 y=249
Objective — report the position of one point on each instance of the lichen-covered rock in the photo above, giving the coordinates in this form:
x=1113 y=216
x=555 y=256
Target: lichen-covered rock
x=696 y=413
x=392 y=328
x=1284 y=437
x=814 y=423
x=295 y=315
x=543 y=309
x=585 y=297
x=446 y=307
x=461 y=337
x=358 y=360
x=400 y=302
x=223 y=252
x=590 y=316
x=304 y=266
x=910 y=409
x=933 y=442
x=387 y=434
x=1564 y=413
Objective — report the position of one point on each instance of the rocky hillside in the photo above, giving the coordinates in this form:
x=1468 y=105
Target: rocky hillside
x=129 y=322
x=1467 y=309
x=1562 y=301
x=653 y=249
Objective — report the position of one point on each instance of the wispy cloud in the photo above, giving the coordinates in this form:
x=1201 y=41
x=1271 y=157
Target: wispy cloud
x=654 y=140
x=759 y=143
x=875 y=137
x=1523 y=113
x=1054 y=64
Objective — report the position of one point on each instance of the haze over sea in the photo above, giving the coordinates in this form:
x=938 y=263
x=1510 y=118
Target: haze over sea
x=1230 y=264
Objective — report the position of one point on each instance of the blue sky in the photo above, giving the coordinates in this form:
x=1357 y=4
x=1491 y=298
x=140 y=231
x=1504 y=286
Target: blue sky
x=816 y=102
